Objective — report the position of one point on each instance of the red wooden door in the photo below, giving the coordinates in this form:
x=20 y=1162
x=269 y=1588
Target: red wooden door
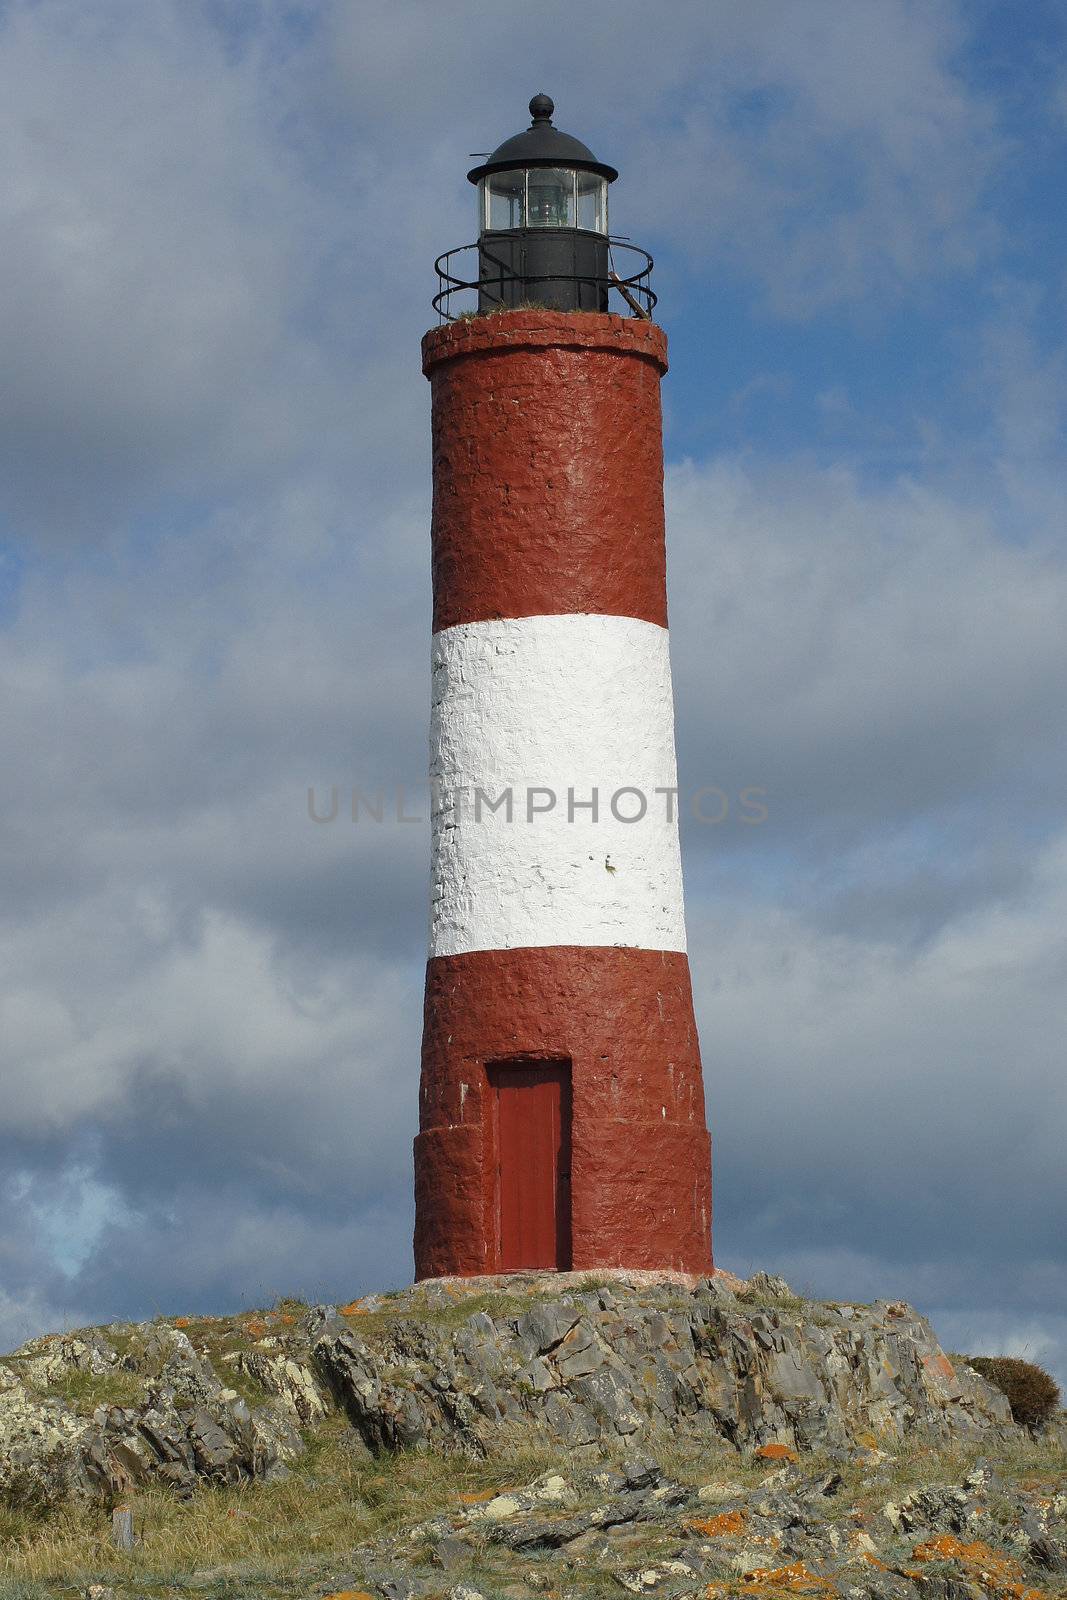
x=533 y=1164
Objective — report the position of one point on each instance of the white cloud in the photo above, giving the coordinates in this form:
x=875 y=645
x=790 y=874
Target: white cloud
x=883 y=1067
x=150 y=322
x=855 y=649
x=218 y=1014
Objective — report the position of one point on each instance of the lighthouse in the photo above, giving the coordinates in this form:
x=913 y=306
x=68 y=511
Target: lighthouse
x=561 y=1108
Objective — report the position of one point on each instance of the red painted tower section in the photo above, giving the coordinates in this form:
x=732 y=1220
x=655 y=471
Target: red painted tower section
x=562 y=1113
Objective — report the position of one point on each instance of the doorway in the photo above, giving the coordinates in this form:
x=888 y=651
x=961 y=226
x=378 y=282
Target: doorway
x=531 y=1108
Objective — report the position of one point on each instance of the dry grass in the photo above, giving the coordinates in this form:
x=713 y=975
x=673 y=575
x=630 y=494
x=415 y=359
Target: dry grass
x=452 y=1314
x=335 y=1501
x=918 y=1461
x=84 y=1391
x=299 y=1536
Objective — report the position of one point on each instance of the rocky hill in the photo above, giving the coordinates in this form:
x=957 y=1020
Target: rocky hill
x=530 y=1435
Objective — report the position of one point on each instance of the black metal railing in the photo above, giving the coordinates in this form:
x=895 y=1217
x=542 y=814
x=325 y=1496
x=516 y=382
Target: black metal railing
x=634 y=291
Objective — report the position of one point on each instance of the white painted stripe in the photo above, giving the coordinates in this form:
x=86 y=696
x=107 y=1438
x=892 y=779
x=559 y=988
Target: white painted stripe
x=566 y=703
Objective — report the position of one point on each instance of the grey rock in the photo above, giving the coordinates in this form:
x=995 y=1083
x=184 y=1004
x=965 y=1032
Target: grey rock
x=43 y=1362
x=166 y=1357
x=583 y=1373
x=450 y=1552
x=610 y=1399
x=538 y=1375
x=579 y=1353
x=715 y=1289
x=546 y=1326
x=397 y=1586
x=290 y=1380
x=764 y=1285
x=541 y=1532
x=315 y=1323
x=608 y=1482
x=641 y=1472
x=213 y=1450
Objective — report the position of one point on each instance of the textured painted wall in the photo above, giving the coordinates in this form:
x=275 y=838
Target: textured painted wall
x=641 y=1175
x=568 y=704
x=547 y=467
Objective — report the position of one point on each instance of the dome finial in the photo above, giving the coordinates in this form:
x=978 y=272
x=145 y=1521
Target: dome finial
x=541 y=108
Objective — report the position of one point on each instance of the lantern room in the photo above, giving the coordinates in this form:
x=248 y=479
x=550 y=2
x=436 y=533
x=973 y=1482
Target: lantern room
x=543 y=220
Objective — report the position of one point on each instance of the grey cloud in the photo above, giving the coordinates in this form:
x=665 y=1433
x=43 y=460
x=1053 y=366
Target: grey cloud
x=905 y=1106
x=211 y=1246
x=176 y=271
x=869 y=654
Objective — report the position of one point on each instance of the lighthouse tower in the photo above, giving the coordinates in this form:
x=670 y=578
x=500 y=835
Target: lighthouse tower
x=561 y=1107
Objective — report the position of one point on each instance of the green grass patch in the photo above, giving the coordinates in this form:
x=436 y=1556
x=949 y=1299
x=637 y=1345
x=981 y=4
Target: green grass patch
x=454 y=1314
x=84 y=1391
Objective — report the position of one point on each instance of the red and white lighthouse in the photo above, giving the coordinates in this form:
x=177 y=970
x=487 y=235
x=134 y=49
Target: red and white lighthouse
x=561 y=1107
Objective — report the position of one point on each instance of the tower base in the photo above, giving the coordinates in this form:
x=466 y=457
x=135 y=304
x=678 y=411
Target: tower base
x=603 y=1039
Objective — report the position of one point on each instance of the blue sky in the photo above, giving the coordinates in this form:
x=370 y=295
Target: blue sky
x=218 y=223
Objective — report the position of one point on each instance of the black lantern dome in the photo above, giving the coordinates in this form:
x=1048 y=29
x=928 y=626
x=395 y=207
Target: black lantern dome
x=542 y=145
x=543 y=228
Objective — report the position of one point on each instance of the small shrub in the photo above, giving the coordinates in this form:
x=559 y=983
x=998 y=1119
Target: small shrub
x=1032 y=1393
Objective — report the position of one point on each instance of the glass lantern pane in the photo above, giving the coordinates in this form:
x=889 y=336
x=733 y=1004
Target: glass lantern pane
x=502 y=199
x=550 y=202
x=592 y=202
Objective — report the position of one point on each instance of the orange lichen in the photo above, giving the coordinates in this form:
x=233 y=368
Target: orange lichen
x=776 y=1452
x=715 y=1527
x=354 y=1308
x=941 y=1363
x=794 y=1579
x=997 y=1573
x=474 y=1497
x=349 y=1594
x=255 y=1327
x=182 y=1322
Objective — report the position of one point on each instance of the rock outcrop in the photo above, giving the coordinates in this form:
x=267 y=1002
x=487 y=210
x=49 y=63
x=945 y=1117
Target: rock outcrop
x=597 y=1366
x=624 y=1363
x=587 y=1362
x=179 y=1426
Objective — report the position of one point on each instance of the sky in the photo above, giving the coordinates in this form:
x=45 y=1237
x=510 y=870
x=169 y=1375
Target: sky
x=218 y=222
